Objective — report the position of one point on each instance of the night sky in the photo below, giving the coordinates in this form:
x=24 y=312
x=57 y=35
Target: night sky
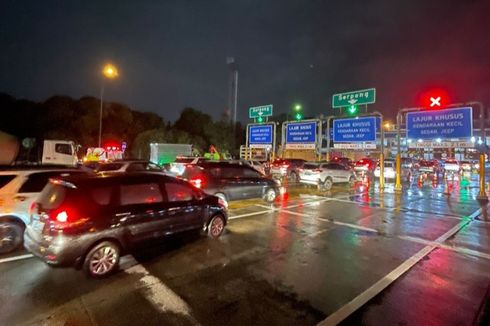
x=172 y=54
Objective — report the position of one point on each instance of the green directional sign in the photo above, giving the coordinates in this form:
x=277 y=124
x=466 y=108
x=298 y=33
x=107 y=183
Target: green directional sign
x=260 y=111
x=364 y=96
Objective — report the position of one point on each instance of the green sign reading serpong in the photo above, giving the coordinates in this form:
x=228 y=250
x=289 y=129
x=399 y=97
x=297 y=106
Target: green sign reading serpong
x=260 y=111
x=364 y=96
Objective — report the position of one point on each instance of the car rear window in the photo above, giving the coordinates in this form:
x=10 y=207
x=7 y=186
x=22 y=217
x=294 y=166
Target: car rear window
x=110 y=167
x=36 y=181
x=227 y=172
x=5 y=179
x=52 y=196
x=310 y=166
x=184 y=160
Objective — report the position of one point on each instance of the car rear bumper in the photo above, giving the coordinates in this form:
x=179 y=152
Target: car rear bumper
x=56 y=251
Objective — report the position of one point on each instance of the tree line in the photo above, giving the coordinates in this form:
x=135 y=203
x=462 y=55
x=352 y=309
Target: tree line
x=66 y=118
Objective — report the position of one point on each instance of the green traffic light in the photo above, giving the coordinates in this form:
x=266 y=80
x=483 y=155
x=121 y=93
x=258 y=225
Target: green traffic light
x=260 y=119
x=298 y=116
x=353 y=109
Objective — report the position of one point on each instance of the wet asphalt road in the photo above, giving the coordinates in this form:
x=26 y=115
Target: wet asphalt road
x=348 y=256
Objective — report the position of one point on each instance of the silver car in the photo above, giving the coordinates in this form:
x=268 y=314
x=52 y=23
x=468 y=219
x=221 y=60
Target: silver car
x=324 y=175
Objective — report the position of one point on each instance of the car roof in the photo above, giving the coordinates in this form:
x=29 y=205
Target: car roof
x=37 y=170
x=115 y=177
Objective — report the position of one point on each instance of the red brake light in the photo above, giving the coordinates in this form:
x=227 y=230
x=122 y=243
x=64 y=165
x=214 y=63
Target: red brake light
x=197 y=182
x=62 y=217
x=32 y=208
x=285 y=165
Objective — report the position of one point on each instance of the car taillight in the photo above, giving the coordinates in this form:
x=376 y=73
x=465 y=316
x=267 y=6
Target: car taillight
x=33 y=208
x=317 y=170
x=197 y=182
x=222 y=202
x=285 y=166
x=63 y=219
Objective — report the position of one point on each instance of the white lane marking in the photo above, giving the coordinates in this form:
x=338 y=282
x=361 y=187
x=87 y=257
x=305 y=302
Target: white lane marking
x=249 y=214
x=342 y=313
x=160 y=295
x=448 y=247
x=6 y=260
x=314 y=234
x=271 y=209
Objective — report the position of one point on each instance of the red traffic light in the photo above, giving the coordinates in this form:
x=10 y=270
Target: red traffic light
x=434 y=99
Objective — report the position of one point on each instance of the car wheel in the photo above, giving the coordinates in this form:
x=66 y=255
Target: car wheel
x=326 y=185
x=102 y=260
x=216 y=226
x=11 y=236
x=270 y=195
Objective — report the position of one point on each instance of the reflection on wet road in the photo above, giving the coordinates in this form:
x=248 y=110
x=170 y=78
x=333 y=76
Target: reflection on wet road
x=351 y=255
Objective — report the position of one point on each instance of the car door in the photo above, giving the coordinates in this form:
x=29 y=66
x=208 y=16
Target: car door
x=141 y=210
x=232 y=182
x=183 y=206
x=254 y=183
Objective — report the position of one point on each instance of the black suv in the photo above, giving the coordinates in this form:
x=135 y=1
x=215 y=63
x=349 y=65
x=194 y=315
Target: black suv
x=89 y=221
x=231 y=181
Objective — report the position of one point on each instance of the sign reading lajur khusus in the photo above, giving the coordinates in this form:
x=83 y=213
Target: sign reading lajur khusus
x=443 y=124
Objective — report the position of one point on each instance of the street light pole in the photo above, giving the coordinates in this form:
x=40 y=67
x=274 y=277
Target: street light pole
x=110 y=72
x=100 y=112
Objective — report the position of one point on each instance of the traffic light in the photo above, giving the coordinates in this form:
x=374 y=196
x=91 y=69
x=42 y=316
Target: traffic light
x=298 y=115
x=434 y=99
x=352 y=110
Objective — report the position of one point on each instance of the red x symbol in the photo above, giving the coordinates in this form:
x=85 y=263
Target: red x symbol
x=435 y=101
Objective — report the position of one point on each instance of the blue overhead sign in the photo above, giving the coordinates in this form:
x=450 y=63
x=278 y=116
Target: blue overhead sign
x=260 y=134
x=301 y=132
x=444 y=124
x=362 y=129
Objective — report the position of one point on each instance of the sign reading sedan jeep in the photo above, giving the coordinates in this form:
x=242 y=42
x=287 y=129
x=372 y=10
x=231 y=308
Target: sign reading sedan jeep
x=443 y=124
x=301 y=135
x=260 y=134
x=361 y=129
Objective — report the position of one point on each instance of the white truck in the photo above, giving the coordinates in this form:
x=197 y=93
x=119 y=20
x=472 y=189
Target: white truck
x=166 y=153
x=58 y=152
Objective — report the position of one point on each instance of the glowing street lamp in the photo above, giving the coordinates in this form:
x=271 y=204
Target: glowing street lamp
x=109 y=71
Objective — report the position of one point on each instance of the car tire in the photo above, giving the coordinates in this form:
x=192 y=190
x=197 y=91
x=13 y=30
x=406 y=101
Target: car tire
x=270 y=195
x=216 y=226
x=326 y=185
x=102 y=260
x=11 y=236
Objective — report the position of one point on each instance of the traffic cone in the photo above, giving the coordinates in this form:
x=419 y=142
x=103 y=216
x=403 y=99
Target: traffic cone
x=446 y=188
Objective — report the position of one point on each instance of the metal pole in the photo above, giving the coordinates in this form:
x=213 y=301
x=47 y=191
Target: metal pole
x=398 y=183
x=329 y=118
x=100 y=112
x=382 y=158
